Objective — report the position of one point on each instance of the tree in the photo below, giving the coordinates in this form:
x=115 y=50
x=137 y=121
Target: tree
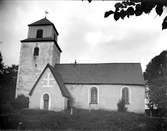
x=137 y=7
x=21 y=102
x=1 y=65
x=156 y=78
x=7 y=85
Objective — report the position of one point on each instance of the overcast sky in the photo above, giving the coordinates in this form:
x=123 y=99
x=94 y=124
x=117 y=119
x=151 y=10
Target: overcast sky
x=84 y=33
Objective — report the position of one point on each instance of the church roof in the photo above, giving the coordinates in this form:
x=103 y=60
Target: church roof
x=60 y=82
x=104 y=73
x=47 y=39
x=57 y=77
x=43 y=22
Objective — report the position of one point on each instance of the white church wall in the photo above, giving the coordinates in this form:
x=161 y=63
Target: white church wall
x=56 y=55
x=108 y=97
x=137 y=103
x=30 y=67
x=56 y=100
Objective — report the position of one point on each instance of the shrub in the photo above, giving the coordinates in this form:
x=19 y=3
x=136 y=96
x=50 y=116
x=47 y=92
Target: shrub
x=21 y=102
x=162 y=112
x=121 y=106
x=5 y=108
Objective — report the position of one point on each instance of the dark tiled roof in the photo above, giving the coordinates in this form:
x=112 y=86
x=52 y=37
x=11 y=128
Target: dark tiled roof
x=41 y=40
x=60 y=82
x=57 y=77
x=108 y=73
x=43 y=22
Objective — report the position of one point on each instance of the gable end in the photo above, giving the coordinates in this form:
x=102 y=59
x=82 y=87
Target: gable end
x=64 y=91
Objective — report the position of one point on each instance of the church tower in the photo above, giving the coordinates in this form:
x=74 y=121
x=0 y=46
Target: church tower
x=37 y=50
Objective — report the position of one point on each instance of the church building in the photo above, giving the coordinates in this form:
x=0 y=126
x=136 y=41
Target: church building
x=51 y=85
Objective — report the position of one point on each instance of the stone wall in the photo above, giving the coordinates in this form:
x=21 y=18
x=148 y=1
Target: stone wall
x=30 y=67
x=108 y=97
x=56 y=100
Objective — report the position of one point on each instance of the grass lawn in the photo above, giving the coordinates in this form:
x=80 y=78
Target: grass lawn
x=80 y=120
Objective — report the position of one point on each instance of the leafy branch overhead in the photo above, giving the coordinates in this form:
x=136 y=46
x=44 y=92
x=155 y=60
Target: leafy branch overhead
x=128 y=8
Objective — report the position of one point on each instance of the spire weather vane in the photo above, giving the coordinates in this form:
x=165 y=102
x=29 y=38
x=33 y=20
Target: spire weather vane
x=46 y=12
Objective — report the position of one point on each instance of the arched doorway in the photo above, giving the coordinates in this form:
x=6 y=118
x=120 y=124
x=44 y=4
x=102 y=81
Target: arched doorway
x=45 y=101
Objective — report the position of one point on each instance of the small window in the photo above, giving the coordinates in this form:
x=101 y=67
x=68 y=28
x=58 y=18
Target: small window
x=36 y=51
x=45 y=101
x=125 y=95
x=93 y=95
x=39 y=33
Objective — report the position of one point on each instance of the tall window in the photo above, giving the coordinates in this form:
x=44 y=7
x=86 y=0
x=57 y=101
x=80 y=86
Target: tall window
x=125 y=95
x=68 y=104
x=45 y=101
x=39 y=33
x=93 y=95
x=36 y=51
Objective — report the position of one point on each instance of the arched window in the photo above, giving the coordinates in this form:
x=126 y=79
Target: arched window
x=68 y=104
x=45 y=101
x=125 y=95
x=93 y=95
x=36 y=51
x=39 y=33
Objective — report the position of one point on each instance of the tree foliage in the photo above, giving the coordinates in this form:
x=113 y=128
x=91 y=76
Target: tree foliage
x=1 y=65
x=128 y=8
x=21 y=102
x=8 y=103
x=8 y=76
x=156 y=77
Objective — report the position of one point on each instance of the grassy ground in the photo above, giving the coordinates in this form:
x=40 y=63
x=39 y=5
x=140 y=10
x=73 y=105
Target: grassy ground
x=80 y=120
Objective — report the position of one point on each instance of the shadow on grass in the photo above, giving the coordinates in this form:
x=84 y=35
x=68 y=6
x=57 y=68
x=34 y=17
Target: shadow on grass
x=98 y=120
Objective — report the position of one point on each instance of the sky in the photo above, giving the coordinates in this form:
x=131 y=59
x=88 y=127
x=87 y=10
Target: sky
x=84 y=34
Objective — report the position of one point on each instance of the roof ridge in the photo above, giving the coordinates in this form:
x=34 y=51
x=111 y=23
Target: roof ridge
x=97 y=63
